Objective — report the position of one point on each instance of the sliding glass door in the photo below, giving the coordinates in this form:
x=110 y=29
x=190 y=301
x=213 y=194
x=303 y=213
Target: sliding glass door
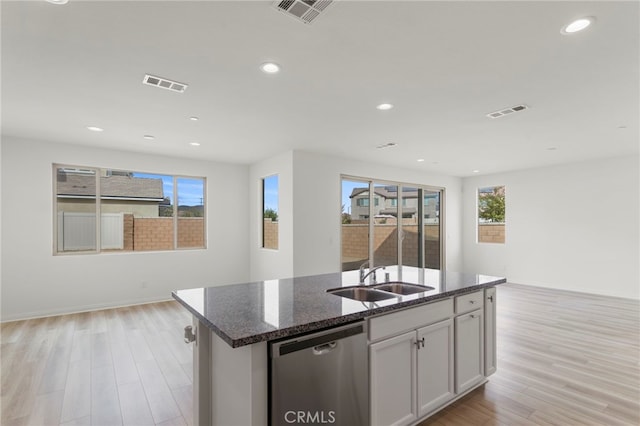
x=432 y=229
x=389 y=223
x=355 y=216
x=385 y=225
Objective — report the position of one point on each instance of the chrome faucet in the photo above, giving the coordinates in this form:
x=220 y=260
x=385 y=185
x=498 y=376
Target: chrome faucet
x=364 y=276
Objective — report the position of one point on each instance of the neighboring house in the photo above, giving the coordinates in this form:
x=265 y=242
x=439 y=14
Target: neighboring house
x=385 y=203
x=120 y=192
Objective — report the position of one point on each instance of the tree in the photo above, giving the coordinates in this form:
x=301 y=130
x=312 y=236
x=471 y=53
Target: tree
x=271 y=214
x=491 y=206
x=346 y=217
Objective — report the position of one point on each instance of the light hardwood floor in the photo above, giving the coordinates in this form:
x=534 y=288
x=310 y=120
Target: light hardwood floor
x=563 y=359
x=112 y=367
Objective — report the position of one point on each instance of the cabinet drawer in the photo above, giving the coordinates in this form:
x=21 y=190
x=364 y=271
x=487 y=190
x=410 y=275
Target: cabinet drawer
x=409 y=319
x=469 y=302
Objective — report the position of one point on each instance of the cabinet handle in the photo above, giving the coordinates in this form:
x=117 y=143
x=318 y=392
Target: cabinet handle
x=419 y=342
x=472 y=302
x=472 y=316
x=490 y=298
x=189 y=335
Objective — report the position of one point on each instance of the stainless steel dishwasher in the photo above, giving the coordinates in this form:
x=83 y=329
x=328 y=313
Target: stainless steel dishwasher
x=321 y=378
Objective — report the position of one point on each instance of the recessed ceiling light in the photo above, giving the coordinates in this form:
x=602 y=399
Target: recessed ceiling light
x=149 y=137
x=578 y=25
x=476 y=171
x=270 y=67
x=194 y=118
x=194 y=144
x=95 y=129
x=420 y=160
x=384 y=107
x=551 y=148
x=58 y=1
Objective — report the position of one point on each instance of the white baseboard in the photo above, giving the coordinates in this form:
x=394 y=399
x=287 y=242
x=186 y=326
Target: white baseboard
x=79 y=309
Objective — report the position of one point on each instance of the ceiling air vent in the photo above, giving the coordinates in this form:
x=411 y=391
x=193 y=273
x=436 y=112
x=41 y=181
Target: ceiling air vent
x=164 y=83
x=507 y=111
x=302 y=10
x=387 y=145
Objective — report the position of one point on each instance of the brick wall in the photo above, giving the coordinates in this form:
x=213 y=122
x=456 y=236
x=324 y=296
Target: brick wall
x=491 y=233
x=153 y=233
x=270 y=235
x=190 y=232
x=355 y=244
x=147 y=234
x=128 y=232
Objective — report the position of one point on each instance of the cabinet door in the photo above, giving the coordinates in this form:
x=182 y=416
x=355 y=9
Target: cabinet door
x=469 y=338
x=435 y=366
x=490 y=349
x=393 y=380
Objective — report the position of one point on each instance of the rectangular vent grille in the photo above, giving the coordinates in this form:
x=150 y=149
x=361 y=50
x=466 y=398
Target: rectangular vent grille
x=507 y=111
x=164 y=83
x=386 y=145
x=302 y=10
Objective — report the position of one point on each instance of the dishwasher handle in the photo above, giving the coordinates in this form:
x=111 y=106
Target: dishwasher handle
x=324 y=349
x=324 y=341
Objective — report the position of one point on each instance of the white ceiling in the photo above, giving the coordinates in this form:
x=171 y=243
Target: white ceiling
x=444 y=65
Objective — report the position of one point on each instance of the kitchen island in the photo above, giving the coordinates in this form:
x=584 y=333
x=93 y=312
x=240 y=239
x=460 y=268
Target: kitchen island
x=234 y=323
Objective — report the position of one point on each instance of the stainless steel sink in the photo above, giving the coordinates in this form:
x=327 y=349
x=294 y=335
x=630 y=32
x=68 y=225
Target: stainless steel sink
x=402 y=288
x=361 y=293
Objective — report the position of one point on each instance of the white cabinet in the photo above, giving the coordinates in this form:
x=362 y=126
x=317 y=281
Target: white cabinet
x=435 y=366
x=423 y=358
x=411 y=362
x=393 y=380
x=411 y=374
x=469 y=350
x=490 y=347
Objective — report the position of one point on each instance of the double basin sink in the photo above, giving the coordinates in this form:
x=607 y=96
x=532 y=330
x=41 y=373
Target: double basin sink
x=377 y=292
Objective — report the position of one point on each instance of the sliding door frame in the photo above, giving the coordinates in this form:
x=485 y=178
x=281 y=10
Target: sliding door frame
x=420 y=212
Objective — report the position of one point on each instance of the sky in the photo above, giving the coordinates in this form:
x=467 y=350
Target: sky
x=347 y=188
x=271 y=192
x=190 y=190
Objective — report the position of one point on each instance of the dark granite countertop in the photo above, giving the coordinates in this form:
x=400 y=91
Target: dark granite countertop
x=242 y=314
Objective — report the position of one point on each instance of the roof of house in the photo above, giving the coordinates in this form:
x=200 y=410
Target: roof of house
x=81 y=185
x=387 y=192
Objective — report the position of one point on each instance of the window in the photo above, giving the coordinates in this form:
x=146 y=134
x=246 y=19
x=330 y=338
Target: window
x=409 y=234
x=137 y=211
x=190 y=212
x=270 y=212
x=491 y=214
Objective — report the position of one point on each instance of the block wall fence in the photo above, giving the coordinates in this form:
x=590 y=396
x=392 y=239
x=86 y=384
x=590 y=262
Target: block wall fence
x=149 y=234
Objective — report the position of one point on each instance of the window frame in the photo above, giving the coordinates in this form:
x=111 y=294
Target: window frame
x=99 y=199
x=263 y=209
x=477 y=213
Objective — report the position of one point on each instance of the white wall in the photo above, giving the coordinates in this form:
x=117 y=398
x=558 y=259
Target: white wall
x=35 y=283
x=317 y=201
x=572 y=227
x=268 y=263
